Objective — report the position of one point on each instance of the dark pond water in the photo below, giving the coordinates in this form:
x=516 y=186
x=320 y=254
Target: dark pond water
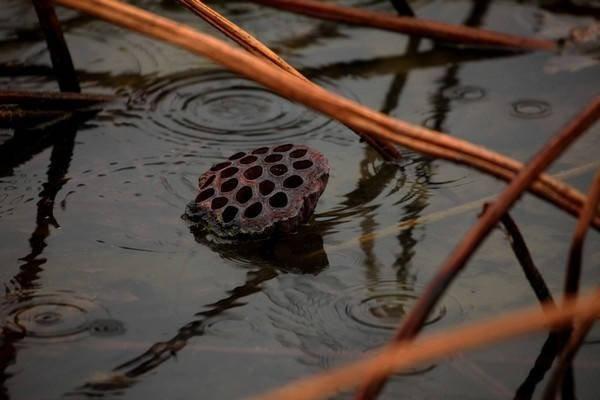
x=108 y=294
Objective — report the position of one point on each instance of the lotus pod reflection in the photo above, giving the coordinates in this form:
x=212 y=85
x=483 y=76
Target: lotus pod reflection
x=254 y=194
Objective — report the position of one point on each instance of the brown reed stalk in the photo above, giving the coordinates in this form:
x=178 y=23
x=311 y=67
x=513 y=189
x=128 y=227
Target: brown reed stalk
x=387 y=150
x=238 y=35
x=59 y=52
x=52 y=100
x=588 y=211
x=360 y=118
x=574 y=337
x=399 y=356
x=414 y=320
x=566 y=358
x=409 y=25
x=532 y=273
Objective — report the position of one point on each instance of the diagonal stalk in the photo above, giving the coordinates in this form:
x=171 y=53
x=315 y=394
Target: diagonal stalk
x=409 y=25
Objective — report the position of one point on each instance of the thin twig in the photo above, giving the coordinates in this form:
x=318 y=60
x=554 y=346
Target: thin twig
x=588 y=212
x=408 y=25
x=52 y=100
x=59 y=52
x=532 y=273
x=566 y=358
x=348 y=112
x=415 y=319
x=397 y=357
x=238 y=35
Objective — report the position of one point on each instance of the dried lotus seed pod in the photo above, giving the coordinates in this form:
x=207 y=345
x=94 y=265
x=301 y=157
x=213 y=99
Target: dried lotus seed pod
x=256 y=193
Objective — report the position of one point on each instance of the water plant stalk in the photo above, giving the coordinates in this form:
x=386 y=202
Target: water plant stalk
x=588 y=212
x=566 y=358
x=59 y=51
x=532 y=273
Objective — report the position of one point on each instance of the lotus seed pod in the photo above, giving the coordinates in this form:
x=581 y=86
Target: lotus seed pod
x=254 y=194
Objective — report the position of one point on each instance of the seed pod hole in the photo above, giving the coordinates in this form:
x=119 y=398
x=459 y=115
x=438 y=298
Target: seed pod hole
x=244 y=194
x=261 y=150
x=229 y=214
x=237 y=156
x=278 y=200
x=266 y=187
x=220 y=166
x=229 y=185
x=218 y=202
x=208 y=182
x=283 y=148
x=293 y=182
x=253 y=172
x=298 y=153
x=303 y=164
x=271 y=158
x=227 y=172
x=253 y=211
x=205 y=194
x=278 y=169
x=248 y=160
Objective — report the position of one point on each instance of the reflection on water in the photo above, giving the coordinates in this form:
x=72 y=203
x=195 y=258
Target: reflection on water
x=93 y=207
x=332 y=324
x=301 y=252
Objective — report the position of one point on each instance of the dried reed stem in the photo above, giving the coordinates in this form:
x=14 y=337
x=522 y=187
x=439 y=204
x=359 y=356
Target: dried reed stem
x=387 y=150
x=415 y=319
x=59 y=52
x=532 y=273
x=348 y=112
x=52 y=100
x=566 y=358
x=409 y=25
x=238 y=35
x=397 y=357
x=588 y=211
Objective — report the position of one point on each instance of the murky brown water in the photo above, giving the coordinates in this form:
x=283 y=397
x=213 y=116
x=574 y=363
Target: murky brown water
x=108 y=294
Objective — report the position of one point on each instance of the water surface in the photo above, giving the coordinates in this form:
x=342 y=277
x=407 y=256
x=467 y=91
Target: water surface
x=108 y=293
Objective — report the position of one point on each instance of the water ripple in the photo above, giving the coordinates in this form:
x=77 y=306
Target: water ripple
x=216 y=108
x=531 y=108
x=55 y=316
x=331 y=325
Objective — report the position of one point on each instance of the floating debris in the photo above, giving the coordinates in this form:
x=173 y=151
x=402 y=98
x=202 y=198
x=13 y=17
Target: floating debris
x=254 y=194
